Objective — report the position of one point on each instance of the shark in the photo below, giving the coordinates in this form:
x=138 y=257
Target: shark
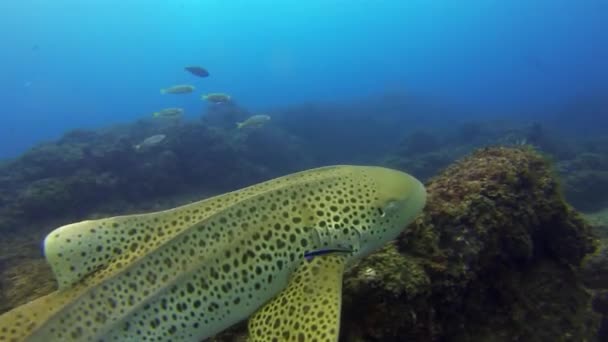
x=190 y=272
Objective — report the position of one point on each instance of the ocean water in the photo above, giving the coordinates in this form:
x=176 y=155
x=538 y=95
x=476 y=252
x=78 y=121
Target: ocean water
x=70 y=64
x=411 y=85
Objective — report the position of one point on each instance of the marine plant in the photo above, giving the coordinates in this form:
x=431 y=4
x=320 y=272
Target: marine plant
x=495 y=256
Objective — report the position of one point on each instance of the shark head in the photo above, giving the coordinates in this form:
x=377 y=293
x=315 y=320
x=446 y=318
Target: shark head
x=398 y=199
x=354 y=210
x=369 y=208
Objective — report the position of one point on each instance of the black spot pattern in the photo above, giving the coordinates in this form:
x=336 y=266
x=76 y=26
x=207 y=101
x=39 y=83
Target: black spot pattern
x=308 y=309
x=187 y=273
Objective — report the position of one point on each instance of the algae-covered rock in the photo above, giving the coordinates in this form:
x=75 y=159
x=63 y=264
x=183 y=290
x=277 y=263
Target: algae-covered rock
x=585 y=181
x=494 y=257
x=85 y=170
x=595 y=270
x=383 y=289
x=595 y=277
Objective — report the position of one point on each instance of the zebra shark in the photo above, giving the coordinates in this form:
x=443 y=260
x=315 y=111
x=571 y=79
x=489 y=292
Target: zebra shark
x=188 y=273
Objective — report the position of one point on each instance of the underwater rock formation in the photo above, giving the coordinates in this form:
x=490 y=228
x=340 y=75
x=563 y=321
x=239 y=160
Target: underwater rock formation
x=84 y=170
x=494 y=257
x=595 y=274
x=424 y=154
x=585 y=180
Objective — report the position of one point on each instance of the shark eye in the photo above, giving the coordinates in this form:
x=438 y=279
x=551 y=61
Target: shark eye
x=381 y=212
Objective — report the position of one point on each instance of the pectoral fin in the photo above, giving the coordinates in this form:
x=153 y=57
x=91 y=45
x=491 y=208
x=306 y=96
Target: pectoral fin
x=308 y=309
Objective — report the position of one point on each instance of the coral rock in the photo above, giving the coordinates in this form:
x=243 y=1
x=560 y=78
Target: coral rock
x=494 y=257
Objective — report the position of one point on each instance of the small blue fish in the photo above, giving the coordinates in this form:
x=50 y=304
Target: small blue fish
x=319 y=252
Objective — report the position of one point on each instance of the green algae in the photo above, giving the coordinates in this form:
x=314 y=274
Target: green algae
x=394 y=272
x=501 y=251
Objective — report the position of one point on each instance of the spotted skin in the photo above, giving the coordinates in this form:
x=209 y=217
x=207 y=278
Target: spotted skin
x=308 y=309
x=188 y=273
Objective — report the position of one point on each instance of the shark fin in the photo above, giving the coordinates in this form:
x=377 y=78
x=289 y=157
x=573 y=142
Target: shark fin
x=78 y=250
x=308 y=309
x=83 y=249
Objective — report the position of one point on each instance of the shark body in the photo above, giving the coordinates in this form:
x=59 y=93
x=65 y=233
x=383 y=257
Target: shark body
x=187 y=273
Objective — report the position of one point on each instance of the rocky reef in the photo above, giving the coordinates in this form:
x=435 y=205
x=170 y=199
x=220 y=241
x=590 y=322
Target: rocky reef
x=86 y=172
x=97 y=171
x=581 y=164
x=496 y=256
x=585 y=179
x=595 y=270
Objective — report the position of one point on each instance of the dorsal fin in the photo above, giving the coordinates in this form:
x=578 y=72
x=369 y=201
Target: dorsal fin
x=76 y=250
x=79 y=249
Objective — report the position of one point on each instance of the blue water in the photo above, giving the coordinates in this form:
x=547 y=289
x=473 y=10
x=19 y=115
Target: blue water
x=72 y=63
